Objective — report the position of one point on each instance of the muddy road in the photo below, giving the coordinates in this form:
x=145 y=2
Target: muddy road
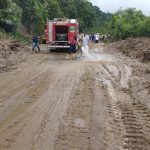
x=98 y=102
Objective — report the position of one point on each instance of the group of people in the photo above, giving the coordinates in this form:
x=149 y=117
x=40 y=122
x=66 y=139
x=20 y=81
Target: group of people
x=96 y=37
x=80 y=41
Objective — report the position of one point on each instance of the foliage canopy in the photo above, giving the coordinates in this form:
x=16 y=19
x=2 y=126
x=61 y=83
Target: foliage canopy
x=129 y=23
x=33 y=13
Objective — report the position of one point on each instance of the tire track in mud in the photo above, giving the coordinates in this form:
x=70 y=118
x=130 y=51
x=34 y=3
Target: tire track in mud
x=126 y=124
x=31 y=91
x=19 y=79
x=134 y=138
x=113 y=126
x=27 y=85
x=54 y=113
x=97 y=122
x=142 y=112
x=74 y=132
x=39 y=118
x=11 y=127
x=112 y=71
x=43 y=118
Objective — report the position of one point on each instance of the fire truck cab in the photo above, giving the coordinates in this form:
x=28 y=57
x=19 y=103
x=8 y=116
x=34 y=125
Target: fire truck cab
x=60 y=31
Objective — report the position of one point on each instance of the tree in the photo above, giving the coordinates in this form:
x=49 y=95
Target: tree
x=34 y=13
x=10 y=15
x=126 y=23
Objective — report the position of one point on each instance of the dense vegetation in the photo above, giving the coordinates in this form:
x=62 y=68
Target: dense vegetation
x=128 y=23
x=10 y=15
x=33 y=14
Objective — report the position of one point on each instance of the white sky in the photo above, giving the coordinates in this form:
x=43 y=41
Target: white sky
x=114 y=5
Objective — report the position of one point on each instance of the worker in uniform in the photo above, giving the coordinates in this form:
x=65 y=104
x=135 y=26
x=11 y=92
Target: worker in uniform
x=35 y=42
x=72 y=49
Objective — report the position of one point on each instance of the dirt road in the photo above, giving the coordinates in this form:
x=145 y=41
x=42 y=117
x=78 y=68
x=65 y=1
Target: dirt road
x=98 y=102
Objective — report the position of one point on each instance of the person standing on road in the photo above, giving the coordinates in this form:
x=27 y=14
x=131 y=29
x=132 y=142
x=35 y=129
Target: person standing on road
x=72 y=49
x=97 y=38
x=79 y=41
x=35 y=43
x=93 y=37
x=80 y=37
x=102 y=37
x=85 y=43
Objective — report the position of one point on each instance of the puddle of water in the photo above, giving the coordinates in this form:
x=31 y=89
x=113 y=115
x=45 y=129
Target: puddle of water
x=103 y=57
x=98 y=50
x=97 y=56
x=87 y=55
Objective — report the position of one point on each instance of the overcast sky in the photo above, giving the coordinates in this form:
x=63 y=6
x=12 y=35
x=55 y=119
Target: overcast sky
x=114 y=5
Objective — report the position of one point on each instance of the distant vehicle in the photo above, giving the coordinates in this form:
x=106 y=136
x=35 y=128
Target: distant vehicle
x=60 y=31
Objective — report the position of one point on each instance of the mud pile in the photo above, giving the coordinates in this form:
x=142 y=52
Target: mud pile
x=138 y=48
x=139 y=84
x=11 y=53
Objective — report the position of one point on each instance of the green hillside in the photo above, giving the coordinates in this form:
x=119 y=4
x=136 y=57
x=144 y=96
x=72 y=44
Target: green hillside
x=33 y=14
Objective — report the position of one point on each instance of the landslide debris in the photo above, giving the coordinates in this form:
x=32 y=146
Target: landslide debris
x=138 y=48
x=12 y=53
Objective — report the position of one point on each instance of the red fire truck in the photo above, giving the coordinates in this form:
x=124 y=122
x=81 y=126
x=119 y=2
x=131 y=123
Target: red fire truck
x=60 y=32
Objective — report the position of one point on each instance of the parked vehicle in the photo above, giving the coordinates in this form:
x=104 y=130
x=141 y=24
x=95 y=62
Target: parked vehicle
x=60 y=31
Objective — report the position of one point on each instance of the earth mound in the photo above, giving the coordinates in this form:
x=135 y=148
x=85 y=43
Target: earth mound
x=138 y=48
x=11 y=53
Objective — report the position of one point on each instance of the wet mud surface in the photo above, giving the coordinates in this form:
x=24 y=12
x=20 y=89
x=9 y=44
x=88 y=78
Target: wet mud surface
x=98 y=102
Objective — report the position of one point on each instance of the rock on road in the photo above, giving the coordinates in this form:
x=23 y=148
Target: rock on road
x=50 y=103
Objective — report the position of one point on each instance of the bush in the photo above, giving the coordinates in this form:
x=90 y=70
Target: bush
x=10 y=15
x=129 y=23
x=8 y=26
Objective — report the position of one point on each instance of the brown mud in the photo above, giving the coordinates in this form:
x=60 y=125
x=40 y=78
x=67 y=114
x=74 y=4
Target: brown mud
x=137 y=48
x=50 y=103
